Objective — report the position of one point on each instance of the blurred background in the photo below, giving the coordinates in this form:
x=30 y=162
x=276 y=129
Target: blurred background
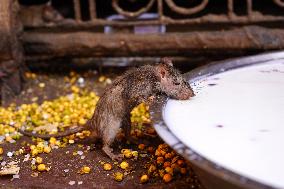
x=114 y=33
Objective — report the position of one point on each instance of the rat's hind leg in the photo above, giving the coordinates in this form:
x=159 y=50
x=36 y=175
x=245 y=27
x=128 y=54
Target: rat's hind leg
x=108 y=138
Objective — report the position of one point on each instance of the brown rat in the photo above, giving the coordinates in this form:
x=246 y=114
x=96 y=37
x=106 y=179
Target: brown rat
x=39 y=14
x=135 y=86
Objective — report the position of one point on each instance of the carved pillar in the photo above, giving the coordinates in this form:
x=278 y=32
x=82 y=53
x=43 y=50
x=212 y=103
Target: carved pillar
x=11 y=53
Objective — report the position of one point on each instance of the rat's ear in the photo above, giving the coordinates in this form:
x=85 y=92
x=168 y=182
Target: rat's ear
x=168 y=61
x=161 y=71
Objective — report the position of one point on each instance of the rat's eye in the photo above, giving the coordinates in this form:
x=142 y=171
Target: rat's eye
x=176 y=83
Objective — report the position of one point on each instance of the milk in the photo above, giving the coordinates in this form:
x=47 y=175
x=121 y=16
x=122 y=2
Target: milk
x=236 y=120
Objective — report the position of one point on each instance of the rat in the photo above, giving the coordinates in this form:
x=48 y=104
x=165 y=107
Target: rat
x=43 y=14
x=135 y=86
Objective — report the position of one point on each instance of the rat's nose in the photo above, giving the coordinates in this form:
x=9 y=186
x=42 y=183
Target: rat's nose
x=190 y=93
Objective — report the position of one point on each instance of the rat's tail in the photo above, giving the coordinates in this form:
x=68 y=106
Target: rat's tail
x=47 y=136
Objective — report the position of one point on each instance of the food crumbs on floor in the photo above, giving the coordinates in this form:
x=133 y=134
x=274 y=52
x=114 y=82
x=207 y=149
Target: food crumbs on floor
x=107 y=166
x=124 y=165
x=144 y=178
x=41 y=167
x=118 y=176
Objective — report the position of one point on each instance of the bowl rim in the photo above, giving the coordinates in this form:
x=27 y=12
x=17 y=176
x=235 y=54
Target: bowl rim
x=156 y=113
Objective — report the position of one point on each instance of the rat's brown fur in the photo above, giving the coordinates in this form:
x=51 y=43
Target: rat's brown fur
x=127 y=91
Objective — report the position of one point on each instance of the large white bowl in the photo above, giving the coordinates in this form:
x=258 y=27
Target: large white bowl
x=233 y=130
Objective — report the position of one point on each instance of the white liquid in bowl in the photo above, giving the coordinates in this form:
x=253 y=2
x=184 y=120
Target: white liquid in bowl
x=236 y=120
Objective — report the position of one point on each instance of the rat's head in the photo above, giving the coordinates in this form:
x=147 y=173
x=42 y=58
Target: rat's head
x=171 y=81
